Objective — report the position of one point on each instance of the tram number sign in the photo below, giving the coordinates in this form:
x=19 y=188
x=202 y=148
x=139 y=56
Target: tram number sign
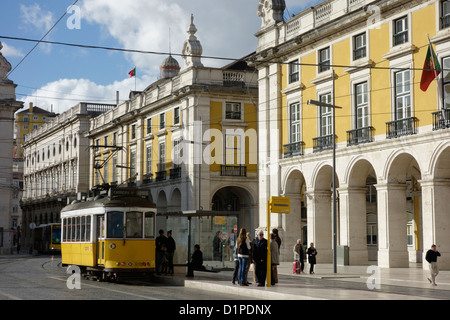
x=280 y=204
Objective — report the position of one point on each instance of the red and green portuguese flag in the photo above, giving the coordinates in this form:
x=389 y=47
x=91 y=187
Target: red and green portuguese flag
x=431 y=69
x=132 y=73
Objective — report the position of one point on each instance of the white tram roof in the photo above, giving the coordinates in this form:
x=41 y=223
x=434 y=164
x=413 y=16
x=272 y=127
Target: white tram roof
x=100 y=205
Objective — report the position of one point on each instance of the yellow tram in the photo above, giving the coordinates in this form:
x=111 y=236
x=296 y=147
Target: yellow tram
x=47 y=238
x=110 y=235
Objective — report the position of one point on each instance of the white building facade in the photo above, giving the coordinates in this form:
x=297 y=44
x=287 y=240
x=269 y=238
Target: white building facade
x=392 y=168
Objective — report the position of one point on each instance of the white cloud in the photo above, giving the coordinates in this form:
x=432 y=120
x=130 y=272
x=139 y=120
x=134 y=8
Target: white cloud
x=63 y=94
x=225 y=29
x=38 y=21
x=10 y=51
x=144 y=25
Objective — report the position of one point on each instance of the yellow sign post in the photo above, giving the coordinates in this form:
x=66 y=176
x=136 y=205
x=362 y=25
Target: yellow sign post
x=276 y=205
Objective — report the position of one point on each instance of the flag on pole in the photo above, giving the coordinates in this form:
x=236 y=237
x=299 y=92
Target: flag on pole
x=132 y=73
x=431 y=69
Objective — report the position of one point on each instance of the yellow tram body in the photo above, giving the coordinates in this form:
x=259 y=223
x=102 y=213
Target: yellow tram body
x=111 y=234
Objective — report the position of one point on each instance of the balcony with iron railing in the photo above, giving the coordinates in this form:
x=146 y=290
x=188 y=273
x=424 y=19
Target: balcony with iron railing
x=233 y=170
x=175 y=172
x=359 y=136
x=441 y=119
x=323 y=143
x=293 y=149
x=160 y=175
x=445 y=21
x=401 y=127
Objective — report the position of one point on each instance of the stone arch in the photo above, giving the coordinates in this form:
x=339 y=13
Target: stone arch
x=399 y=211
x=435 y=194
x=358 y=212
x=293 y=225
x=239 y=200
x=174 y=201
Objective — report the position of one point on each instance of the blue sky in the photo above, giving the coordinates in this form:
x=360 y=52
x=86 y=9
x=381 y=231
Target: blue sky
x=58 y=77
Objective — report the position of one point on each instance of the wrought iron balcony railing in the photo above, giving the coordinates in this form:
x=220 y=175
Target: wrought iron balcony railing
x=323 y=143
x=234 y=171
x=293 y=149
x=401 y=127
x=441 y=119
x=359 y=135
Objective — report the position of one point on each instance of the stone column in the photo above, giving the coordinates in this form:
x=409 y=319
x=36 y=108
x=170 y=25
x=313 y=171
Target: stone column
x=291 y=227
x=436 y=219
x=319 y=216
x=353 y=223
x=392 y=241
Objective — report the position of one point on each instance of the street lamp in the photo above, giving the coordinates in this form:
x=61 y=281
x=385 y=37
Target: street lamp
x=327 y=105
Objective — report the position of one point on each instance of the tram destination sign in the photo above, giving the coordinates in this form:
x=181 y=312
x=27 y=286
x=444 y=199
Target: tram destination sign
x=128 y=192
x=280 y=204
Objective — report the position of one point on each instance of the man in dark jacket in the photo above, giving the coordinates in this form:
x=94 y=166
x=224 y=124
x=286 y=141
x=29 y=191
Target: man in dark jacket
x=431 y=257
x=259 y=256
x=160 y=247
x=171 y=246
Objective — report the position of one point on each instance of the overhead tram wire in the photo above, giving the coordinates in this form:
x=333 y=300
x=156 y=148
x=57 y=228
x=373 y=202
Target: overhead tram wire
x=274 y=60
x=42 y=39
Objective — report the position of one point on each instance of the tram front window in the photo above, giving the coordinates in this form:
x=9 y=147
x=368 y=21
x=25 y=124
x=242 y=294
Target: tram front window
x=115 y=225
x=134 y=224
x=149 y=225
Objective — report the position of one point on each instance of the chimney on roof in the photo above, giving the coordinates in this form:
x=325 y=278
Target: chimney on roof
x=31 y=107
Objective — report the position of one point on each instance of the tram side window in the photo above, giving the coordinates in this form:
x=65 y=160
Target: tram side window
x=73 y=229
x=83 y=229
x=88 y=228
x=77 y=230
x=149 y=225
x=134 y=224
x=114 y=225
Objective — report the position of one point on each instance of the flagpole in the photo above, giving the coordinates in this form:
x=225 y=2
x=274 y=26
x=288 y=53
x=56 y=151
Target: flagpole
x=436 y=75
x=134 y=78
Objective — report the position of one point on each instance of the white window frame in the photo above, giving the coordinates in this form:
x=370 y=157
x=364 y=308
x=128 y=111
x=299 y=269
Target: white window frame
x=232 y=105
x=363 y=105
x=293 y=69
x=404 y=96
x=325 y=116
x=295 y=122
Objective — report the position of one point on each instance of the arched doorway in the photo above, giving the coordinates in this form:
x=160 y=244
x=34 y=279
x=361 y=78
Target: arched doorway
x=436 y=217
x=239 y=200
x=358 y=208
x=293 y=225
x=399 y=213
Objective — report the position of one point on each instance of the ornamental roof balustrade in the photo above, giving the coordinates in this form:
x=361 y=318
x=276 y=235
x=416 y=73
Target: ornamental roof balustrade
x=321 y=14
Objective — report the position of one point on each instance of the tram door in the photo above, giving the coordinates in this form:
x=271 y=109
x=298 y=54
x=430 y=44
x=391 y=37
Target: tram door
x=101 y=239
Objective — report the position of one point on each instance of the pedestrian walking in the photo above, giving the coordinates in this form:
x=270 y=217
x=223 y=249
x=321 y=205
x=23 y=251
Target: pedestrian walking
x=312 y=253
x=299 y=255
x=171 y=247
x=244 y=247
x=274 y=258
x=259 y=251
x=431 y=257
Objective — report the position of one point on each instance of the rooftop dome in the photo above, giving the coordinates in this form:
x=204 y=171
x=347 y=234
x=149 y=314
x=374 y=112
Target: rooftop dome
x=169 y=68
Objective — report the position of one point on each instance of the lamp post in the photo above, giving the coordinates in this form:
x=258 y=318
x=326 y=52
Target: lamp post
x=327 y=105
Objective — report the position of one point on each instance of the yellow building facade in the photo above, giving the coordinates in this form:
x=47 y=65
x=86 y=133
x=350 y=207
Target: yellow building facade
x=392 y=138
x=190 y=138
